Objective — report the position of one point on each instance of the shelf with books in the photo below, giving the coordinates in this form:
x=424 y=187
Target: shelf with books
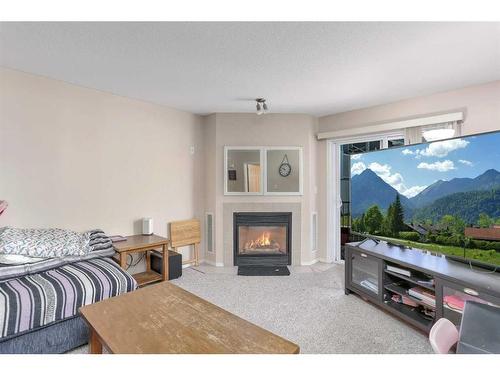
x=402 y=291
x=411 y=279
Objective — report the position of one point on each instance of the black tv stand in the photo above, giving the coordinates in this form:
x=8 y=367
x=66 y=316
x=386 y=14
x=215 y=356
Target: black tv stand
x=414 y=285
x=474 y=263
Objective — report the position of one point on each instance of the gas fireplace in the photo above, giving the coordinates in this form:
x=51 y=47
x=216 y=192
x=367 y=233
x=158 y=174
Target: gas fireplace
x=262 y=238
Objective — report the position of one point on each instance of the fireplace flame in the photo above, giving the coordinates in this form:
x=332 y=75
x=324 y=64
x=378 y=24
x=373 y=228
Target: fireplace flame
x=263 y=241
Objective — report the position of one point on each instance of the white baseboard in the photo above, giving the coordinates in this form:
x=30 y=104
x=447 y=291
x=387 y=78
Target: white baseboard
x=310 y=263
x=323 y=260
x=212 y=263
x=319 y=260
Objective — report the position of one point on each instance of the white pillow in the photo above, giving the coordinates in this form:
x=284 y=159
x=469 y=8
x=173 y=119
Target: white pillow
x=14 y=259
x=44 y=243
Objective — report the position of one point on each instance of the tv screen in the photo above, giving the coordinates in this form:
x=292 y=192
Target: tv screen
x=442 y=196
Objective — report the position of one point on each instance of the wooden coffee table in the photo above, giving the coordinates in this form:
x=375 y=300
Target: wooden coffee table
x=140 y=243
x=164 y=318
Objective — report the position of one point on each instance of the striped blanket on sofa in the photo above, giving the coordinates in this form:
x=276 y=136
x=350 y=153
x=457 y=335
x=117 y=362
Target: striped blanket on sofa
x=33 y=301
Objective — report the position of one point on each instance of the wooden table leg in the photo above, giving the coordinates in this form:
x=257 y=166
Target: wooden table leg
x=148 y=260
x=95 y=346
x=123 y=260
x=165 y=263
x=196 y=254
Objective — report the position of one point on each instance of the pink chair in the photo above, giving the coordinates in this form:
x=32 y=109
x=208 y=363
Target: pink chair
x=443 y=336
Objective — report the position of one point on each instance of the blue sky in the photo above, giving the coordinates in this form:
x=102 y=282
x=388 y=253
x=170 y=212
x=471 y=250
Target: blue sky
x=410 y=169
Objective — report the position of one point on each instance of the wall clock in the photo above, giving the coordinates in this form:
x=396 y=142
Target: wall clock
x=285 y=168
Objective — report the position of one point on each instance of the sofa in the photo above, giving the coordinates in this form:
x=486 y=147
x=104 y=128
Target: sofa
x=39 y=301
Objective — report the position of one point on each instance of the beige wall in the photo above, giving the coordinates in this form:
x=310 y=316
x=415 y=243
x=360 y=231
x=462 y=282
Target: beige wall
x=78 y=158
x=481 y=105
x=248 y=129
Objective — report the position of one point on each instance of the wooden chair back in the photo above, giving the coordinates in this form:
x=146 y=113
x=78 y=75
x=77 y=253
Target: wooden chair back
x=186 y=233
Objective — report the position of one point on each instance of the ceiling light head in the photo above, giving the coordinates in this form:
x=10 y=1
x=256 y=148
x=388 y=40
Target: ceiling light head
x=261 y=106
x=259 y=109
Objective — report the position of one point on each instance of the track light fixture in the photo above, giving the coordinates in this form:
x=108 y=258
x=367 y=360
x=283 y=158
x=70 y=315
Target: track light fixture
x=261 y=106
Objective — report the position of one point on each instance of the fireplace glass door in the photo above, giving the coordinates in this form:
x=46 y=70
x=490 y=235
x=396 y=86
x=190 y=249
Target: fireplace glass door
x=262 y=240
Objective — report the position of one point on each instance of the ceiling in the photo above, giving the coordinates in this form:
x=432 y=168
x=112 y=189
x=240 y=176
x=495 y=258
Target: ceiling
x=315 y=68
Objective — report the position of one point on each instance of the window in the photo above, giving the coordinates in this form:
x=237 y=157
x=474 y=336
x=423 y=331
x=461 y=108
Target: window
x=348 y=151
x=355 y=148
x=395 y=142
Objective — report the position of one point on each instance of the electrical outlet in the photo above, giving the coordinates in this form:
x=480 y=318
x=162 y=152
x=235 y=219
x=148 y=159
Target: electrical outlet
x=191 y=149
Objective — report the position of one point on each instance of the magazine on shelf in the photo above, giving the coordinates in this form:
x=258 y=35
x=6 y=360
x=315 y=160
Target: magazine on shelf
x=398 y=270
x=423 y=295
x=117 y=238
x=370 y=284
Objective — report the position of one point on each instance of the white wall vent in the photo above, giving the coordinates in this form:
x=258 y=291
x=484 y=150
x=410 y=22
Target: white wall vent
x=314 y=231
x=209 y=231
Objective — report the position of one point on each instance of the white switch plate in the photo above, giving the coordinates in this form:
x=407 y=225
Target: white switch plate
x=191 y=150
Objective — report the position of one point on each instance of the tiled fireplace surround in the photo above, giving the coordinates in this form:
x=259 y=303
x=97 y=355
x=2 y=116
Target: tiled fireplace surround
x=230 y=208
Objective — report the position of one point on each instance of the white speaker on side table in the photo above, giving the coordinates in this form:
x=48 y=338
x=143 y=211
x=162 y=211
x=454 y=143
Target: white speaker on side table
x=147 y=226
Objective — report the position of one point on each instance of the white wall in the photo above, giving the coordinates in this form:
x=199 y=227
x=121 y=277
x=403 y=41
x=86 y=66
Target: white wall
x=481 y=105
x=78 y=158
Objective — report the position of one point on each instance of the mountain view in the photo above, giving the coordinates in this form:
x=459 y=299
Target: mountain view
x=467 y=206
x=436 y=200
x=368 y=189
x=486 y=181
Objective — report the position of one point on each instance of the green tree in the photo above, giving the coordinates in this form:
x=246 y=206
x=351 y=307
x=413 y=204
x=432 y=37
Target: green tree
x=373 y=219
x=398 y=218
x=394 y=220
x=362 y=225
x=484 y=220
x=452 y=224
x=358 y=224
x=427 y=222
x=387 y=225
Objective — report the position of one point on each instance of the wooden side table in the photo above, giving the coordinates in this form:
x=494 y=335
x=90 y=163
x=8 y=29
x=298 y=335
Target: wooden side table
x=138 y=244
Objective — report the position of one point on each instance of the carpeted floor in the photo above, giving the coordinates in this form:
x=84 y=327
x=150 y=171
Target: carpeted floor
x=308 y=307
